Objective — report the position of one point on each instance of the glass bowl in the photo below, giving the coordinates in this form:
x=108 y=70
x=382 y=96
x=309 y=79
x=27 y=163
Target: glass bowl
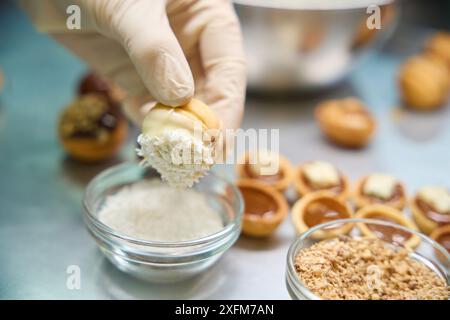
x=425 y=250
x=158 y=261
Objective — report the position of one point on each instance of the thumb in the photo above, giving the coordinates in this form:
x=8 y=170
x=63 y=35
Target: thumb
x=143 y=29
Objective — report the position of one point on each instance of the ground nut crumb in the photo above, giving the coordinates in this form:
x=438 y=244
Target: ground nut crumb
x=361 y=268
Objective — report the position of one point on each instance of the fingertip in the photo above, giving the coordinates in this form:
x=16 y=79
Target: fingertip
x=176 y=96
x=171 y=82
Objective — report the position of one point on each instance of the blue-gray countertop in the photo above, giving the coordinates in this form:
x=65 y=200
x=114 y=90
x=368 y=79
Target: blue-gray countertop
x=41 y=230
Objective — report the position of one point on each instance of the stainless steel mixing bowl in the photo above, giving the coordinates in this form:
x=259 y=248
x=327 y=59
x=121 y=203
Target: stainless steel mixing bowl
x=308 y=44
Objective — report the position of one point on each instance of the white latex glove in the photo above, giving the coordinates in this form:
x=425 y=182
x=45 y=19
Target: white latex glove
x=157 y=49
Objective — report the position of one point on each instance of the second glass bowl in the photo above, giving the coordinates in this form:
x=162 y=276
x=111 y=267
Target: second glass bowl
x=427 y=251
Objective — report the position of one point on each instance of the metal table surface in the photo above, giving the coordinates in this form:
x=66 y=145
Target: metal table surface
x=41 y=230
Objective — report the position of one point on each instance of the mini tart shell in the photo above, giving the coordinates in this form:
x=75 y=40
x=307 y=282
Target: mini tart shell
x=343 y=134
x=303 y=189
x=280 y=185
x=360 y=200
x=425 y=224
x=438 y=232
x=255 y=226
x=391 y=214
x=435 y=235
x=299 y=210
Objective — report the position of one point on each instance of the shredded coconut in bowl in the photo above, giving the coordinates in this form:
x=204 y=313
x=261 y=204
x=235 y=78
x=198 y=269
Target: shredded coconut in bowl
x=180 y=158
x=152 y=210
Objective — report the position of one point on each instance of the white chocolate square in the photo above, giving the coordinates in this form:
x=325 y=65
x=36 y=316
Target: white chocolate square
x=380 y=185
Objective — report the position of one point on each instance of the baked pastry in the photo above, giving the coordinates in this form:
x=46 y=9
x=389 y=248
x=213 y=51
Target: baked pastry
x=431 y=208
x=180 y=142
x=346 y=122
x=442 y=236
x=387 y=233
x=377 y=188
x=92 y=128
x=320 y=175
x=439 y=45
x=424 y=82
x=267 y=167
x=264 y=208
x=320 y=207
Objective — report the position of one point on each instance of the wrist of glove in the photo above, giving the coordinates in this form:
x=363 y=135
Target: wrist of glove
x=155 y=49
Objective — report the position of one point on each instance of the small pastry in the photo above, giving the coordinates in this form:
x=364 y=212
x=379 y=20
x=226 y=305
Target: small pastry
x=93 y=83
x=424 y=83
x=92 y=128
x=431 y=208
x=387 y=233
x=439 y=45
x=379 y=188
x=320 y=207
x=346 y=122
x=319 y=175
x=264 y=208
x=264 y=166
x=442 y=236
x=180 y=142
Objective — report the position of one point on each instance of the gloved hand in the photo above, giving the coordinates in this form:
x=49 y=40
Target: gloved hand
x=157 y=49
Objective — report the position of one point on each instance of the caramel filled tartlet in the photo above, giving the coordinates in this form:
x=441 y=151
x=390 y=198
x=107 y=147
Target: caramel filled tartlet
x=379 y=188
x=424 y=82
x=264 y=208
x=347 y=268
x=439 y=45
x=346 y=122
x=387 y=233
x=442 y=236
x=320 y=175
x=264 y=166
x=431 y=208
x=320 y=207
x=92 y=128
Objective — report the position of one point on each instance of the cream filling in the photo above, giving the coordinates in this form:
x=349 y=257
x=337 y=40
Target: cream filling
x=321 y=174
x=380 y=185
x=264 y=162
x=158 y=120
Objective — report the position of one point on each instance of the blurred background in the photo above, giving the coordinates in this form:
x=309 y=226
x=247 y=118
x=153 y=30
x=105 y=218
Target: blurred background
x=41 y=187
x=427 y=13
